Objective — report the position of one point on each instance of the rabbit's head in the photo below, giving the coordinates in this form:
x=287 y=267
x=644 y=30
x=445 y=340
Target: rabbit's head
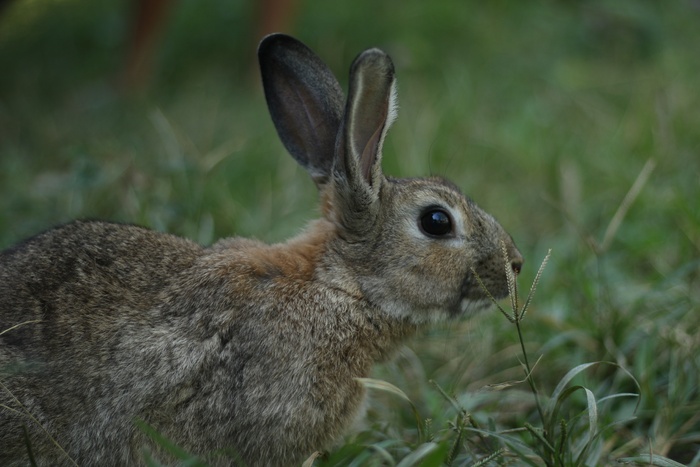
x=412 y=246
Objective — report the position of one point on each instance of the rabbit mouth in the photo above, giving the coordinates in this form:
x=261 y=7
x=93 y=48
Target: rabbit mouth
x=484 y=289
x=469 y=306
x=472 y=305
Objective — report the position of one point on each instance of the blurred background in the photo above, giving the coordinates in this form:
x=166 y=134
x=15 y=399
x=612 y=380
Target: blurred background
x=575 y=123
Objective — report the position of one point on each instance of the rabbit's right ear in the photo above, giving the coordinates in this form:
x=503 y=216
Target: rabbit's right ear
x=369 y=112
x=305 y=102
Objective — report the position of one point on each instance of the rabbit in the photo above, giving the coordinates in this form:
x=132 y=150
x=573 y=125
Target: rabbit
x=242 y=352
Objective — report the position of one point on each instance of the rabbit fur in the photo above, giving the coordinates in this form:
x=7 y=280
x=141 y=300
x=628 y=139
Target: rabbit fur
x=245 y=348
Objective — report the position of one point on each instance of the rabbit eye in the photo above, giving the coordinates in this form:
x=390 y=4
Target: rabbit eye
x=436 y=223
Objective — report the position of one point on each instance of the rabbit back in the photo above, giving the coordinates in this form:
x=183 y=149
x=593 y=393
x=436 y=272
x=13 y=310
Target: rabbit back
x=74 y=303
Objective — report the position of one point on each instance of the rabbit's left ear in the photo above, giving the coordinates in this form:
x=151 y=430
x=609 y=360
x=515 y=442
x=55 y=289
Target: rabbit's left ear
x=305 y=102
x=369 y=112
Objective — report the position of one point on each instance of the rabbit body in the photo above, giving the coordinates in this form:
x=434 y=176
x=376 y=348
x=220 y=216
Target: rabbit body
x=168 y=341
x=242 y=347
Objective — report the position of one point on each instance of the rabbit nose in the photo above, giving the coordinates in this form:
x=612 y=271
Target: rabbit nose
x=516 y=262
x=517 y=266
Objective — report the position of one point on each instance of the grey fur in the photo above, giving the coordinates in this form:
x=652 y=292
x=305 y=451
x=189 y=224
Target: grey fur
x=241 y=346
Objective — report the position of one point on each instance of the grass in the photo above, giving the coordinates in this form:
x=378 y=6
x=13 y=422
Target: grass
x=575 y=123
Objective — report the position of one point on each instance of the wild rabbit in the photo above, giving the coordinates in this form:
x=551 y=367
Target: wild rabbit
x=244 y=347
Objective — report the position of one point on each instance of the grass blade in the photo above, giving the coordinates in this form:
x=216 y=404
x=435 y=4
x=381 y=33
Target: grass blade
x=428 y=454
x=592 y=410
x=650 y=459
x=592 y=414
x=380 y=385
x=514 y=444
x=627 y=202
x=489 y=458
x=571 y=374
x=168 y=445
x=19 y=325
x=309 y=462
x=535 y=281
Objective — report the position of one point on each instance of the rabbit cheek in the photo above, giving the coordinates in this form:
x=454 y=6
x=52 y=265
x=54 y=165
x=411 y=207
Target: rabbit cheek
x=492 y=275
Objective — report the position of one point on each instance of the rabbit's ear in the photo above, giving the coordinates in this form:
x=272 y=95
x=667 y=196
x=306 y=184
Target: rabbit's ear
x=369 y=112
x=305 y=102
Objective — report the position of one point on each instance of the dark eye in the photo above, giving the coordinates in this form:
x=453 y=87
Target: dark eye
x=436 y=222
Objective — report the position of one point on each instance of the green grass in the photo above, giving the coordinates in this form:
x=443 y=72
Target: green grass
x=545 y=112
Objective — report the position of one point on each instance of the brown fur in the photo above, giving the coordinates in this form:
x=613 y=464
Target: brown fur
x=242 y=347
